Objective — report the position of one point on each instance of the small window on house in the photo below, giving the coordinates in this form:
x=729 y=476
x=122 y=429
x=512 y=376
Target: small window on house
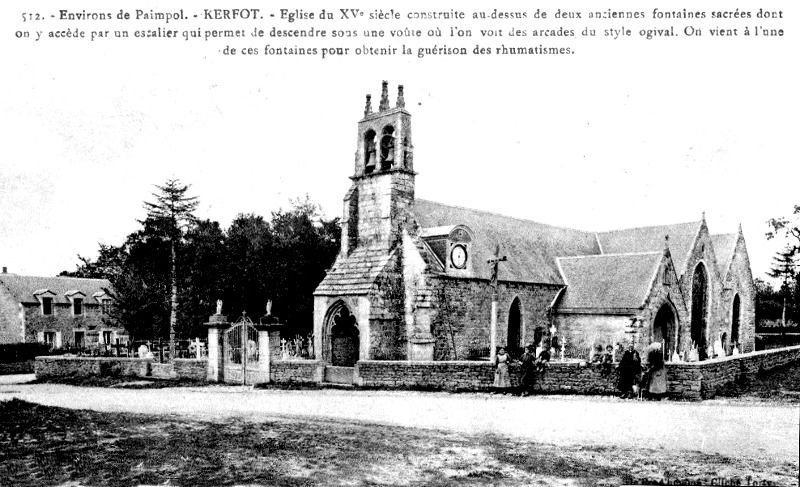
x=47 y=306
x=50 y=338
x=77 y=306
x=107 y=337
x=105 y=307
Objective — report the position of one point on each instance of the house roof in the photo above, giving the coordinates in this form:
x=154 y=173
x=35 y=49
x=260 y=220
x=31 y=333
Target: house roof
x=608 y=281
x=531 y=247
x=25 y=288
x=724 y=247
x=354 y=274
x=651 y=239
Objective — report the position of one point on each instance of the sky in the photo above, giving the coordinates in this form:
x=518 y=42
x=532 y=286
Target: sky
x=623 y=133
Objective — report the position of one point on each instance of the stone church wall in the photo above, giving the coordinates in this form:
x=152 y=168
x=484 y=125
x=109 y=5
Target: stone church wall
x=703 y=252
x=465 y=305
x=584 y=331
x=739 y=281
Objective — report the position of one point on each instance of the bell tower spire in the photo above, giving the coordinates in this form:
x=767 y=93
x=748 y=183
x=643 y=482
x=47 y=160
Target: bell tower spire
x=383 y=177
x=384 y=137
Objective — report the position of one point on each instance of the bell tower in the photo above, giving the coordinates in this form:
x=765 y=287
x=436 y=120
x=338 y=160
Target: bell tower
x=382 y=192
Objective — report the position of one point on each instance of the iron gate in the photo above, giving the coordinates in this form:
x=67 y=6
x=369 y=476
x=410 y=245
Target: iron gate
x=241 y=351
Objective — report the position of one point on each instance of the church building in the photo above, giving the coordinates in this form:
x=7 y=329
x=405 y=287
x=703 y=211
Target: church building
x=412 y=280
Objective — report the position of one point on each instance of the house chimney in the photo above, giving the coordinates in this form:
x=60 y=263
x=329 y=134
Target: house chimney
x=5 y=270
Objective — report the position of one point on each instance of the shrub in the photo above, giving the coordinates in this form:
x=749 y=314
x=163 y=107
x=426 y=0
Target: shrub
x=22 y=352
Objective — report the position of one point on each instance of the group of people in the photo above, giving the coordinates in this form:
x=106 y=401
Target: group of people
x=603 y=360
x=633 y=379
x=532 y=364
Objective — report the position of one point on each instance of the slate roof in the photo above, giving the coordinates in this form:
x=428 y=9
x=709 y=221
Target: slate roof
x=24 y=287
x=354 y=274
x=608 y=281
x=651 y=239
x=724 y=247
x=531 y=247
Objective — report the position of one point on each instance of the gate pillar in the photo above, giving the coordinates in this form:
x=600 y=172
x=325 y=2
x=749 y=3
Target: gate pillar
x=217 y=324
x=268 y=349
x=269 y=342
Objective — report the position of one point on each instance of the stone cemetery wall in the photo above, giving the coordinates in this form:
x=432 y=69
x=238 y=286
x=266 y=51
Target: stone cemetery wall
x=702 y=380
x=190 y=368
x=162 y=371
x=566 y=377
x=302 y=371
x=695 y=380
x=60 y=366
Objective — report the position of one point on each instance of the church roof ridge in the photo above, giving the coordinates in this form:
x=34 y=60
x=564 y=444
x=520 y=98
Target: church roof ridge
x=619 y=254
x=503 y=215
x=646 y=227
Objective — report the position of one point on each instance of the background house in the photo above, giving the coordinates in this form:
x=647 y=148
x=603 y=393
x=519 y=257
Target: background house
x=63 y=312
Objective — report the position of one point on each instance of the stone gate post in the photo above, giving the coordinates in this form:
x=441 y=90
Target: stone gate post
x=264 y=358
x=217 y=324
x=269 y=343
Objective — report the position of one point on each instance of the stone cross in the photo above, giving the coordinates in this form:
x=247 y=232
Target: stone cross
x=495 y=263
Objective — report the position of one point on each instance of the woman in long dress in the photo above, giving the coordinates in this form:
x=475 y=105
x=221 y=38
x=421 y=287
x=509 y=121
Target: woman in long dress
x=501 y=377
x=528 y=362
x=630 y=366
x=657 y=373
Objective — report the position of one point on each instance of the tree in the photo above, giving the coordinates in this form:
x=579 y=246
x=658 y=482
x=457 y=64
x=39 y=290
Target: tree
x=177 y=258
x=783 y=268
x=249 y=256
x=304 y=246
x=175 y=212
x=789 y=229
x=201 y=281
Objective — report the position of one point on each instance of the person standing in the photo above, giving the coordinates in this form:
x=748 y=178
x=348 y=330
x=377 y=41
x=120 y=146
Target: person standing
x=502 y=381
x=656 y=372
x=630 y=366
x=528 y=361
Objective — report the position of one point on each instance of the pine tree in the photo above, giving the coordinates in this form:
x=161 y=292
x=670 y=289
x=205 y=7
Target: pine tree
x=175 y=211
x=784 y=268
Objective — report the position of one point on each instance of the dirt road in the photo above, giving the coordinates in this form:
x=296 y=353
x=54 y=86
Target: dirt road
x=731 y=428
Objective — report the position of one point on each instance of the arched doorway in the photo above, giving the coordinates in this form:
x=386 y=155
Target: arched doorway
x=664 y=328
x=699 y=309
x=514 y=342
x=344 y=337
x=735 y=317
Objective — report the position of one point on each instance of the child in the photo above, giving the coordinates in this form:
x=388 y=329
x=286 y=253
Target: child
x=542 y=360
x=608 y=359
